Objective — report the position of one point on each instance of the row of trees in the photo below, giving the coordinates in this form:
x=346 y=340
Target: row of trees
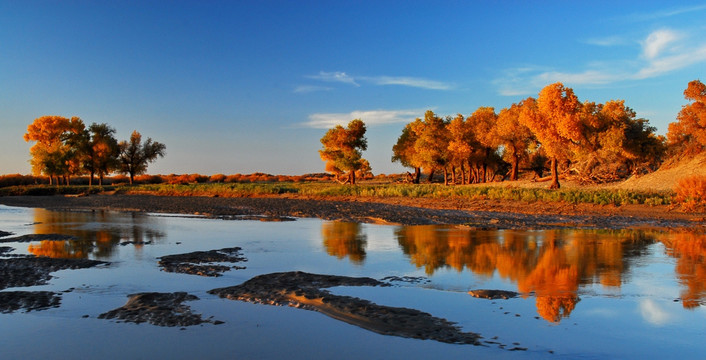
x=595 y=142
x=66 y=147
x=592 y=141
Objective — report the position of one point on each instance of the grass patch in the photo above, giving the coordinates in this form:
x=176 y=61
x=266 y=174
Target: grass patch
x=322 y=189
x=43 y=190
x=574 y=196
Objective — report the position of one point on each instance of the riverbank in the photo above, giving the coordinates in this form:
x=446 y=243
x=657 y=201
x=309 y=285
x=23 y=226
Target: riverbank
x=472 y=212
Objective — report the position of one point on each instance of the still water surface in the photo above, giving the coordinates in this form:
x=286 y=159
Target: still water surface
x=588 y=294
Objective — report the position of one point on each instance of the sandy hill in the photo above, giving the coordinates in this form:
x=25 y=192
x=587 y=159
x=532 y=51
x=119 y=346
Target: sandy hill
x=667 y=176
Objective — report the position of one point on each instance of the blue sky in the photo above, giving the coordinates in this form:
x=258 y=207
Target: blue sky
x=244 y=86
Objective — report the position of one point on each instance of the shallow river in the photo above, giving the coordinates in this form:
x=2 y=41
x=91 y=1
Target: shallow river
x=588 y=294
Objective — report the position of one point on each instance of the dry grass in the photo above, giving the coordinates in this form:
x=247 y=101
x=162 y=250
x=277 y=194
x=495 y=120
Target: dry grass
x=691 y=192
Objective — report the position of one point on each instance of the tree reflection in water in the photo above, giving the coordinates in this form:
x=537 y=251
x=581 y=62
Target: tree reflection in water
x=551 y=264
x=690 y=251
x=343 y=239
x=97 y=232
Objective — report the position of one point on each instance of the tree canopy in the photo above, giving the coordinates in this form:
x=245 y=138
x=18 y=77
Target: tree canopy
x=66 y=147
x=688 y=133
x=342 y=150
x=135 y=155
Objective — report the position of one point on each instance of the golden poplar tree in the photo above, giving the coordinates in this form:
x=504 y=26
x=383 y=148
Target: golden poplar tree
x=342 y=149
x=431 y=143
x=52 y=154
x=405 y=152
x=688 y=134
x=555 y=119
x=514 y=136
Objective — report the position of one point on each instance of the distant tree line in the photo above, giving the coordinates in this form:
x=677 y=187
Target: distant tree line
x=66 y=147
x=590 y=141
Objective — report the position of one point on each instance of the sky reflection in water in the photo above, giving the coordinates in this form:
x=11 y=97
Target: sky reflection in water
x=643 y=285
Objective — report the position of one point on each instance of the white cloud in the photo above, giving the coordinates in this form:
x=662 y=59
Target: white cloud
x=663 y=51
x=369 y=117
x=606 y=41
x=335 y=76
x=408 y=81
x=653 y=314
x=342 y=77
x=311 y=88
x=665 y=13
x=657 y=41
x=672 y=62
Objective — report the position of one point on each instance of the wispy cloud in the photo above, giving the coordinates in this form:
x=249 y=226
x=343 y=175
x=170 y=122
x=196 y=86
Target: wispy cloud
x=335 y=76
x=665 y=13
x=662 y=51
x=657 y=41
x=370 y=117
x=303 y=89
x=408 y=81
x=672 y=62
x=342 y=77
x=607 y=41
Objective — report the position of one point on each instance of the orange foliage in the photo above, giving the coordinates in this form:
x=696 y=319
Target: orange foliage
x=691 y=191
x=56 y=249
x=552 y=266
x=688 y=133
x=343 y=239
x=690 y=251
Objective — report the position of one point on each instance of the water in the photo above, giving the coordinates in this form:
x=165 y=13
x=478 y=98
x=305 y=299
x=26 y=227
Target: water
x=588 y=294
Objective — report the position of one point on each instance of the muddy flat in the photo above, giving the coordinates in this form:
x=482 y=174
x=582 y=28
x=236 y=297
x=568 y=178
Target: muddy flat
x=477 y=213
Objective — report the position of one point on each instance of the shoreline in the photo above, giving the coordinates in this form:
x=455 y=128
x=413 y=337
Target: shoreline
x=474 y=213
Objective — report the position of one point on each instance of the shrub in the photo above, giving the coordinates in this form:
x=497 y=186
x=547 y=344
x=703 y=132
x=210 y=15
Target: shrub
x=217 y=178
x=691 y=191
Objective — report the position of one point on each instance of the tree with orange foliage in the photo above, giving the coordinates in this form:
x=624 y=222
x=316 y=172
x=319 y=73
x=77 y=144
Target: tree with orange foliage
x=462 y=144
x=405 y=152
x=515 y=137
x=688 y=134
x=431 y=143
x=482 y=124
x=555 y=119
x=52 y=155
x=342 y=149
x=615 y=144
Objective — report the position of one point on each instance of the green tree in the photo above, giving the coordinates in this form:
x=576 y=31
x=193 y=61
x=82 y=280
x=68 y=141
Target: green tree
x=342 y=149
x=135 y=155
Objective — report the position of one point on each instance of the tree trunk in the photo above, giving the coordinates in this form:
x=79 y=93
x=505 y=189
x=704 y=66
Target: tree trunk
x=100 y=180
x=90 y=179
x=463 y=174
x=431 y=176
x=484 y=179
x=555 y=175
x=417 y=174
x=132 y=177
x=515 y=165
x=446 y=176
x=453 y=175
x=351 y=176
